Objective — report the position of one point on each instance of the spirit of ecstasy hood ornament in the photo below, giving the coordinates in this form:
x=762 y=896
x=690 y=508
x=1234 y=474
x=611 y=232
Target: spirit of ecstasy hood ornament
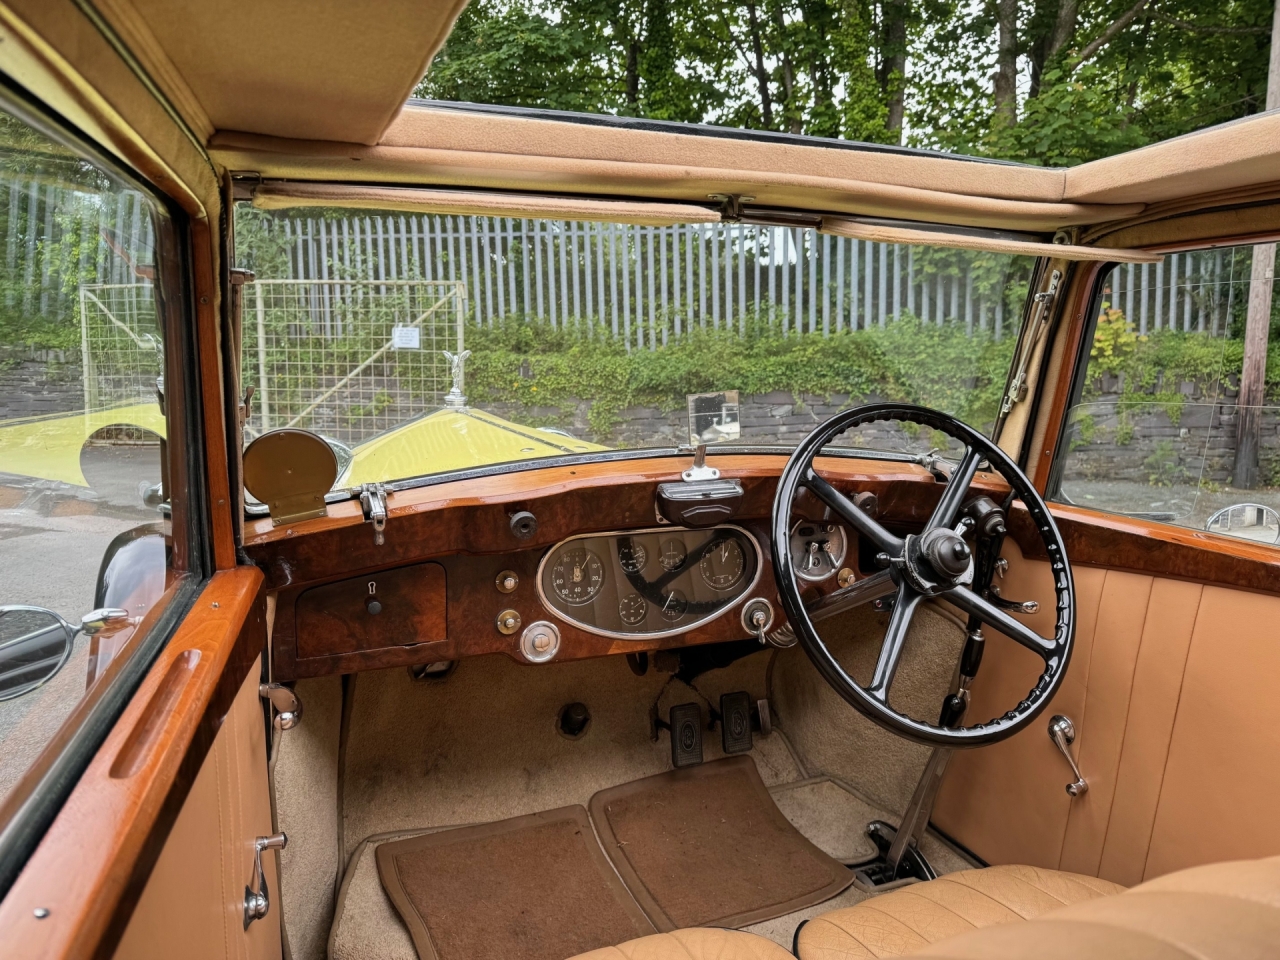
x=455 y=399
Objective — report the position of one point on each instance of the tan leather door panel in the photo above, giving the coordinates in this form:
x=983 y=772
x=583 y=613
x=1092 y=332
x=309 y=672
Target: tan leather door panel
x=1170 y=689
x=193 y=903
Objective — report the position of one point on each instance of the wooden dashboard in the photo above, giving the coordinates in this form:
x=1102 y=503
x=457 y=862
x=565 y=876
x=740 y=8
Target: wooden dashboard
x=436 y=576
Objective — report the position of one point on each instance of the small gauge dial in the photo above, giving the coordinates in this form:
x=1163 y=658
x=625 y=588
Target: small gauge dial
x=632 y=609
x=722 y=563
x=674 y=605
x=577 y=576
x=632 y=555
x=817 y=549
x=673 y=554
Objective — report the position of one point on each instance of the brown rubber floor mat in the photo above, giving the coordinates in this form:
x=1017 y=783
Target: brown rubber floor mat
x=532 y=888
x=707 y=847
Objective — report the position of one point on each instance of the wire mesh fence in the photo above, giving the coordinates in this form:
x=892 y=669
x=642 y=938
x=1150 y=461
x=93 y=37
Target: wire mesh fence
x=120 y=344
x=349 y=358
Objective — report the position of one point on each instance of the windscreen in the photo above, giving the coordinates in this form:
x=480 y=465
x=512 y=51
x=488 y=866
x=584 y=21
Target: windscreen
x=420 y=344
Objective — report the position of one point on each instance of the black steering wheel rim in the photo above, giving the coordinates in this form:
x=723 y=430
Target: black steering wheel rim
x=911 y=587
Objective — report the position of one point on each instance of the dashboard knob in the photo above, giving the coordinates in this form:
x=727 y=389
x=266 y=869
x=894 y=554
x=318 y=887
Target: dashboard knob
x=540 y=641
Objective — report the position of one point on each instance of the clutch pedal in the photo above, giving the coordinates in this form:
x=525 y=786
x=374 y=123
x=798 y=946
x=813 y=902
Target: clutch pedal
x=686 y=735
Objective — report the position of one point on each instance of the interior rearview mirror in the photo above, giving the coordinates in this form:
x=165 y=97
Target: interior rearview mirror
x=713 y=417
x=35 y=643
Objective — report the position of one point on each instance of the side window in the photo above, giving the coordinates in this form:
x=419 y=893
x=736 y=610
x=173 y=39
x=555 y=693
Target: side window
x=1177 y=415
x=84 y=520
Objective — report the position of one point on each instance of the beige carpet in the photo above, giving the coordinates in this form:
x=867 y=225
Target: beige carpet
x=482 y=746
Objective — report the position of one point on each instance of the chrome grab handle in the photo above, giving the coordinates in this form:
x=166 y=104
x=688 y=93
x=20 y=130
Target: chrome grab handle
x=1063 y=733
x=257 y=902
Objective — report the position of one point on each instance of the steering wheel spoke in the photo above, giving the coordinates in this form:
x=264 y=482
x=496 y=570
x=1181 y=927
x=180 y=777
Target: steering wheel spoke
x=895 y=641
x=848 y=511
x=944 y=514
x=993 y=616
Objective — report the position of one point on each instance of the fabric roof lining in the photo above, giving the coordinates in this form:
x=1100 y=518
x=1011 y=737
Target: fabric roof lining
x=922 y=236
x=281 y=196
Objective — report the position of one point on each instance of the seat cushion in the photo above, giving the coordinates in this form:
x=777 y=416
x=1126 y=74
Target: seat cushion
x=1225 y=911
x=921 y=914
x=693 y=943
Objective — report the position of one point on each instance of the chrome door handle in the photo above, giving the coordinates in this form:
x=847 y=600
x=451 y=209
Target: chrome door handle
x=257 y=902
x=1063 y=733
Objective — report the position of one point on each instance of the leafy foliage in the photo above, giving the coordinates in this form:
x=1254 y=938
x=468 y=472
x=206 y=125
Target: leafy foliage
x=532 y=365
x=913 y=71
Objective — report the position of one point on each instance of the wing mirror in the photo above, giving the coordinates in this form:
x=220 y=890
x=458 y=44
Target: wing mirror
x=36 y=643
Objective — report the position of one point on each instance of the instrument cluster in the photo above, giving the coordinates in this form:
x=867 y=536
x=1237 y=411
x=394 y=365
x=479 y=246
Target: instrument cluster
x=648 y=583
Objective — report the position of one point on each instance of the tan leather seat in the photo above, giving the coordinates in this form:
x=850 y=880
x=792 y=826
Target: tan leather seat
x=913 y=917
x=1225 y=911
x=695 y=943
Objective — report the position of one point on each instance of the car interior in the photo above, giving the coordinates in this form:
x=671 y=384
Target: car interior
x=437 y=616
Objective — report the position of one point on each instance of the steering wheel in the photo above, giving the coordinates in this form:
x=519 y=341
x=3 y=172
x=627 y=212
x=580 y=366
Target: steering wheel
x=937 y=563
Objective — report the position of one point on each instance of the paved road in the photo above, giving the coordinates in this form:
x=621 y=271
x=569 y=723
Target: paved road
x=52 y=538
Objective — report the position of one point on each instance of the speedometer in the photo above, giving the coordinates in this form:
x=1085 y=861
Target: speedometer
x=577 y=576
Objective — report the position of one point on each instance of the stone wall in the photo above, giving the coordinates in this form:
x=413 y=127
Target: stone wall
x=37 y=383
x=1165 y=444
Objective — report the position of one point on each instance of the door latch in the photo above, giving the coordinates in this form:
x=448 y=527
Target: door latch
x=373 y=501
x=285 y=701
x=257 y=901
x=1063 y=733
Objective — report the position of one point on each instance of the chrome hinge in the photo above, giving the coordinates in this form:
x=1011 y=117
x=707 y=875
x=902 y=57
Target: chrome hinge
x=1039 y=324
x=285 y=701
x=373 y=501
x=258 y=901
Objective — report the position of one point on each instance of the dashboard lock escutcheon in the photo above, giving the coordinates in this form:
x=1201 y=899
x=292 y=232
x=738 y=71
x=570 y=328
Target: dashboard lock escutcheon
x=540 y=641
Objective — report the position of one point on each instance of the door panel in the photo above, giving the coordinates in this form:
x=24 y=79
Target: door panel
x=194 y=898
x=97 y=855
x=1170 y=692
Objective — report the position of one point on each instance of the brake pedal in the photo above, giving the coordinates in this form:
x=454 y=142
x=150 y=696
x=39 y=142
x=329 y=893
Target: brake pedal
x=735 y=722
x=686 y=735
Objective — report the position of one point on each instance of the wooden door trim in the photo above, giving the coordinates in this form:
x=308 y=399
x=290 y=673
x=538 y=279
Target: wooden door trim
x=93 y=862
x=1080 y=299
x=1118 y=542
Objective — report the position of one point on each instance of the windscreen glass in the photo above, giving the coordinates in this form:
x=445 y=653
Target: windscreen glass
x=419 y=344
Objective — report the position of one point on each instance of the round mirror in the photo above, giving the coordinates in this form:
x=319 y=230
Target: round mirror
x=34 y=645
x=1248 y=521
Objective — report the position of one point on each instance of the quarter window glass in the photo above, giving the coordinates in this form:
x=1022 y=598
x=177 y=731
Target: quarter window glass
x=582 y=337
x=1177 y=415
x=83 y=518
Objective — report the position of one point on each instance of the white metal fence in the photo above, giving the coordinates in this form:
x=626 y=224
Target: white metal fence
x=646 y=284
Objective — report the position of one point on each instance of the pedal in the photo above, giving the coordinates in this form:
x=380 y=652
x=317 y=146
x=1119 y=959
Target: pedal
x=735 y=722
x=686 y=735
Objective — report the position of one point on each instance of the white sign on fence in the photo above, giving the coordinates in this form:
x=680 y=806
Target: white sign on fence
x=406 y=338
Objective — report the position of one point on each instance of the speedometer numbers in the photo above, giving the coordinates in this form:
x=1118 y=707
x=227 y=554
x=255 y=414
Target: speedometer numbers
x=577 y=576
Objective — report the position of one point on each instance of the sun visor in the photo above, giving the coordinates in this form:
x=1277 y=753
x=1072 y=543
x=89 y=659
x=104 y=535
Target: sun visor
x=940 y=235
x=281 y=195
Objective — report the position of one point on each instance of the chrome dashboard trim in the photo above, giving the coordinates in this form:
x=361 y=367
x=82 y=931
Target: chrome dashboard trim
x=745 y=595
